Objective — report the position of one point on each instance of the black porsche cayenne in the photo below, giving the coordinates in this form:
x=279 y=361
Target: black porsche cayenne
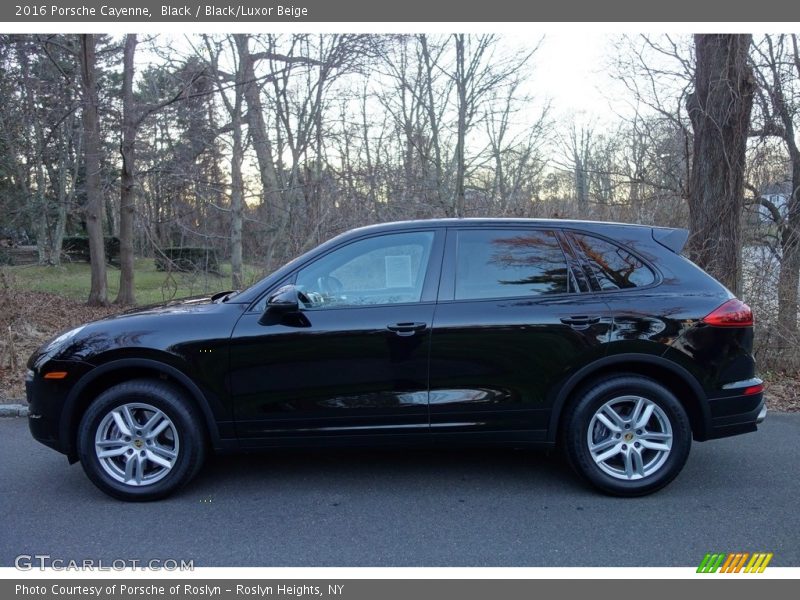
x=598 y=338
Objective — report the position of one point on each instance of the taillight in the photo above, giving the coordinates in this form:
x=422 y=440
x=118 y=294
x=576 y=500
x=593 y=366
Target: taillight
x=734 y=313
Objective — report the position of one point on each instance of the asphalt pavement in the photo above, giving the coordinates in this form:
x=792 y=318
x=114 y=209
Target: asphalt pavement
x=455 y=507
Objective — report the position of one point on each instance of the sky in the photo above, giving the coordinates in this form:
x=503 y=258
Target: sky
x=574 y=75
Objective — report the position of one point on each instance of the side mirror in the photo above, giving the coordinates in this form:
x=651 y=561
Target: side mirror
x=283 y=308
x=284 y=300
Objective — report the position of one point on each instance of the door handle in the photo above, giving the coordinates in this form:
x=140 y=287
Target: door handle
x=406 y=329
x=580 y=321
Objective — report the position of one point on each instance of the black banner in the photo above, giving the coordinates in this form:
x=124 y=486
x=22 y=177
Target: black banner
x=496 y=11
x=389 y=589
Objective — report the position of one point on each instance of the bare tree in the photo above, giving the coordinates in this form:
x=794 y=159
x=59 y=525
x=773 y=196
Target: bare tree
x=719 y=109
x=94 y=211
x=778 y=71
x=133 y=115
x=127 y=199
x=234 y=107
x=408 y=98
x=35 y=151
x=255 y=120
x=478 y=73
x=51 y=136
x=579 y=148
x=515 y=163
x=434 y=106
x=657 y=73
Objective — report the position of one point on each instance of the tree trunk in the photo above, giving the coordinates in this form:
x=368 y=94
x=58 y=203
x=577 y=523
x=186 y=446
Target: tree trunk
x=789 y=277
x=581 y=144
x=127 y=196
x=257 y=126
x=237 y=203
x=433 y=121
x=459 y=200
x=57 y=239
x=581 y=187
x=237 y=186
x=39 y=217
x=719 y=110
x=38 y=205
x=98 y=294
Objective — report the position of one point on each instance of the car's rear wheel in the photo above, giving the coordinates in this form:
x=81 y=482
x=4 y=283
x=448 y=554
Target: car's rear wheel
x=140 y=440
x=627 y=435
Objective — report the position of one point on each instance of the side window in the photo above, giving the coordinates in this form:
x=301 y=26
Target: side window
x=386 y=269
x=613 y=267
x=507 y=263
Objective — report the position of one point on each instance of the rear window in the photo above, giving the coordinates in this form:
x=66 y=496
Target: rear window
x=507 y=263
x=613 y=267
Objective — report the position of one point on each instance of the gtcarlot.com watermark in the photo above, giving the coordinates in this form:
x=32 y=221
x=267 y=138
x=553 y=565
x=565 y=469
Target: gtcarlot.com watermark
x=42 y=562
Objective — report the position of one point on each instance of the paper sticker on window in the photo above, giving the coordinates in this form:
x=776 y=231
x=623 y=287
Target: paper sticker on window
x=398 y=271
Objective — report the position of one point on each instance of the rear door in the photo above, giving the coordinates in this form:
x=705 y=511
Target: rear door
x=513 y=319
x=629 y=287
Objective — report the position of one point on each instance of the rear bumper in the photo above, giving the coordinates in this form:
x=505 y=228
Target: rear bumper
x=761 y=415
x=734 y=415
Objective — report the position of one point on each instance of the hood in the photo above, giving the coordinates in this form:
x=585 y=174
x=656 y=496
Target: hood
x=190 y=304
x=130 y=328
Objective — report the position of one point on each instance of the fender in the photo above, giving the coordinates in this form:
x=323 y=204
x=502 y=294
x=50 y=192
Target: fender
x=67 y=414
x=586 y=372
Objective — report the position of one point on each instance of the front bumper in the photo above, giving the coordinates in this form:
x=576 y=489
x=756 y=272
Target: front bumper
x=44 y=414
x=46 y=400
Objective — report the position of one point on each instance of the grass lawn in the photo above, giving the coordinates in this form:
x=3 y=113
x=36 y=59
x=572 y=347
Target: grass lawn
x=152 y=286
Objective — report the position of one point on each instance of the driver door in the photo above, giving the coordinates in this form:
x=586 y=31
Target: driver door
x=352 y=363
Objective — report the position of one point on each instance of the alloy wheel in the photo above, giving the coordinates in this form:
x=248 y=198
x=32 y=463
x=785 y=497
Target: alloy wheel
x=629 y=437
x=137 y=444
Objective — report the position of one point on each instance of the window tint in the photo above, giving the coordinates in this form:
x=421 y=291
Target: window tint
x=500 y=264
x=387 y=269
x=613 y=267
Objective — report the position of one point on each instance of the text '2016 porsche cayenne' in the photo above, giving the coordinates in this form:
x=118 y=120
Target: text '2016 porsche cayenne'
x=598 y=338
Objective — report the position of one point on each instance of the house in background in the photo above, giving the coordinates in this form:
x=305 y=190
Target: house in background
x=778 y=194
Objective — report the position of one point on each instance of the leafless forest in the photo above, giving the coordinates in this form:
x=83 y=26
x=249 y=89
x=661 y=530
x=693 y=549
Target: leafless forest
x=262 y=146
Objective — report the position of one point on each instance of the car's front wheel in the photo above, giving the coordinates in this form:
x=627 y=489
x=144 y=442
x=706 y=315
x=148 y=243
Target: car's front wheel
x=627 y=435
x=140 y=440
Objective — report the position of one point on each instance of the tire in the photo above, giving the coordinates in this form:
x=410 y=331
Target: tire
x=141 y=463
x=604 y=414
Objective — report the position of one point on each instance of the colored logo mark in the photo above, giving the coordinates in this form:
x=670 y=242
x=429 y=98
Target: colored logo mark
x=735 y=562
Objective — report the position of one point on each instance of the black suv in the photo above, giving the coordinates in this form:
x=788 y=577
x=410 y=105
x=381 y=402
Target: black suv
x=599 y=338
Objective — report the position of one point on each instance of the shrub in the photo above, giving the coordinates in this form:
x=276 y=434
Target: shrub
x=77 y=248
x=187 y=258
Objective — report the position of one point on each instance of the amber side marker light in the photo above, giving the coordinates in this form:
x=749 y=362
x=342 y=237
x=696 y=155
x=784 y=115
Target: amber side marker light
x=55 y=375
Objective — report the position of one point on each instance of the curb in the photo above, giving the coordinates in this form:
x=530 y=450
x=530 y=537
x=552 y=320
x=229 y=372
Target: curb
x=13 y=410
